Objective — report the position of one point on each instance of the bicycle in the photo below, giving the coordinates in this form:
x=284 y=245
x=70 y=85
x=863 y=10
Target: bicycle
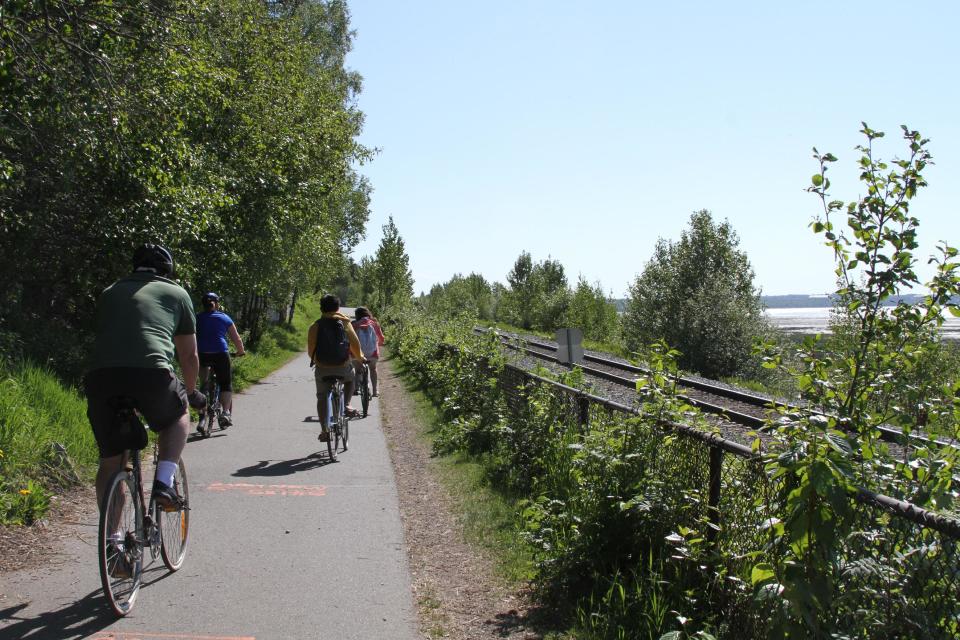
x=126 y=527
x=214 y=410
x=363 y=382
x=338 y=425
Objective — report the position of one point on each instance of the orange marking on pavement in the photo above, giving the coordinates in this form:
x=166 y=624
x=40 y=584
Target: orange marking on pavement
x=270 y=489
x=129 y=635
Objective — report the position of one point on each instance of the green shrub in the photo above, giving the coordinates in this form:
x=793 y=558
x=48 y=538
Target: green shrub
x=596 y=502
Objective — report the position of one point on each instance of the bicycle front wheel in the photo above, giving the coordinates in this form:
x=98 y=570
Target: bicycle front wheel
x=120 y=543
x=174 y=525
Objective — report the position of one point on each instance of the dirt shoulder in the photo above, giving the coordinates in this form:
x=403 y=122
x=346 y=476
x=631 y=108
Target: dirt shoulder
x=456 y=591
x=39 y=544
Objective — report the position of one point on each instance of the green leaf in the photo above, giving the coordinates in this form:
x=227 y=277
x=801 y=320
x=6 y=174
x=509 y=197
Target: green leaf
x=761 y=573
x=817 y=179
x=821 y=477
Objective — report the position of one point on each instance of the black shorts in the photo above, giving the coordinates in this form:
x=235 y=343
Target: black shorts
x=158 y=395
x=221 y=367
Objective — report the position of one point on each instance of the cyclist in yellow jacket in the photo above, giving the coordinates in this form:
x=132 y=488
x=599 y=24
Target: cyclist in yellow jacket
x=333 y=345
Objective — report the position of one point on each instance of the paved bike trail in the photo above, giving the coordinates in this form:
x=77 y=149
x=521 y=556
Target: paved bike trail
x=283 y=544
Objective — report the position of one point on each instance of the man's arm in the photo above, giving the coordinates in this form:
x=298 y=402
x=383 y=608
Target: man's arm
x=186 y=345
x=234 y=336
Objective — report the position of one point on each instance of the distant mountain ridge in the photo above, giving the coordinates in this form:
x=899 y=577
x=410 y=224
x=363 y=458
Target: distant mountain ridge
x=796 y=300
x=802 y=300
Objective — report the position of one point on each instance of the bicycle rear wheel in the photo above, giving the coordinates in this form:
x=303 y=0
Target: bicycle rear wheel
x=214 y=408
x=344 y=429
x=209 y=413
x=203 y=424
x=174 y=525
x=365 y=390
x=332 y=435
x=120 y=543
x=338 y=422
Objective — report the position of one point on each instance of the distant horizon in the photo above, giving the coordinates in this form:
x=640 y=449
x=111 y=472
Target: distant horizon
x=804 y=300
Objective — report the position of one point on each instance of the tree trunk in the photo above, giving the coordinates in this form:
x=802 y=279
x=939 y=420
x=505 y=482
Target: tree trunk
x=293 y=307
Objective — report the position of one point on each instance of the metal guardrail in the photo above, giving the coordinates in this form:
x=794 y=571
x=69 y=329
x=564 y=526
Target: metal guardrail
x=900 y=565
x=894 y=506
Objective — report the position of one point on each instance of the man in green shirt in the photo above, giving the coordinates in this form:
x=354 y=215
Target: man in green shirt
x=142 y=321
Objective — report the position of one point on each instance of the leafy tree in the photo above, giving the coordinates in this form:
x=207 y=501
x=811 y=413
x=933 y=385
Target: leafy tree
x=592 y=311
x=226 y=130
x=471 y=295
x=391 y=268
x=538 y=294
x=366 y=281
x=551 y=295
x=874 y=375
x=516 y=304
x=697 y=295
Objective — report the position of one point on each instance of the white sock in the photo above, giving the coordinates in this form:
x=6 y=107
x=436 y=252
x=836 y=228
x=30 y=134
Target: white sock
x=165 y=472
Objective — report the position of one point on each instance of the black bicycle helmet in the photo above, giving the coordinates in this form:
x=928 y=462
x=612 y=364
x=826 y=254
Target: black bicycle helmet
x=210 y=297
x=155 y=257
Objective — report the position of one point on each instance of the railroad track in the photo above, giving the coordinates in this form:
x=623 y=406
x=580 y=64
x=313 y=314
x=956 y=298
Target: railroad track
x=730 y=404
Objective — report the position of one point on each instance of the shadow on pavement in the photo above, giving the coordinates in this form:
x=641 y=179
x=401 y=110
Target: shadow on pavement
x=269 y=468
x=81 y=619
x=196 y=437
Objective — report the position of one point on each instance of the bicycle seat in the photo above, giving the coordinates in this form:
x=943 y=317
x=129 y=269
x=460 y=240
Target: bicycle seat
x=122 y=404
x=129 y=427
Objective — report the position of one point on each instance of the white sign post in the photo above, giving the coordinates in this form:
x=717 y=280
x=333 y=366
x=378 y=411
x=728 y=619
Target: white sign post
x=570 y=350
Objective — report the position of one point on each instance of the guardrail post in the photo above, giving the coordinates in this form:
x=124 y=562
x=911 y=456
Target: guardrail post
x=713 y=500
x=583 y=413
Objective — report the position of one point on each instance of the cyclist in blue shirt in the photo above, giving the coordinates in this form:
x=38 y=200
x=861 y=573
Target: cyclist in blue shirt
x=213 y=329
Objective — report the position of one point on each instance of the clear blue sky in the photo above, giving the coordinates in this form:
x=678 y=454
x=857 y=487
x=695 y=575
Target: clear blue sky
x=585 y=131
